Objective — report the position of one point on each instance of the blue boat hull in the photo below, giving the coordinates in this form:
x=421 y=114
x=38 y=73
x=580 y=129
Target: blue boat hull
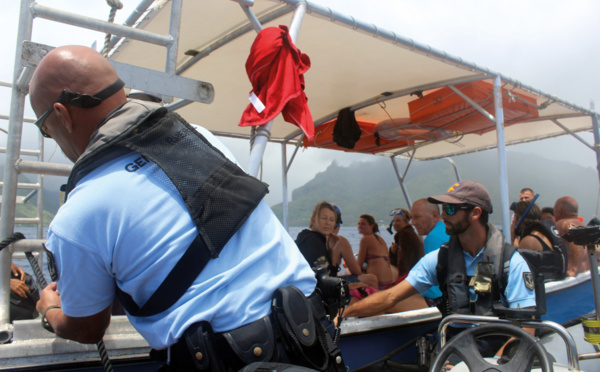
x=569 y=299
x=361 y=349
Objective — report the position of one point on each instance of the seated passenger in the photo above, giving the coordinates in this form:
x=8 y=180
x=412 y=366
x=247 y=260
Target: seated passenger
x=24 y=294
x=547 y=212
x=373 y=250
x=407 y=248
x=313 y=242
x=340 y=249
x=536 y=235
x=566 y=216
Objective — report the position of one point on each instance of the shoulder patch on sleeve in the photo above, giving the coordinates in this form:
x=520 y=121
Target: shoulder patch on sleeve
x=529 y=282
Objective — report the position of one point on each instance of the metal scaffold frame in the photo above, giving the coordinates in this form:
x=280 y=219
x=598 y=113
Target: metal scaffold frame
x=14 y=165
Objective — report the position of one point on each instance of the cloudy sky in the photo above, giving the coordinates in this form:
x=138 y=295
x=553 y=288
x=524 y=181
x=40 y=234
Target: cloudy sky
x=552 y=45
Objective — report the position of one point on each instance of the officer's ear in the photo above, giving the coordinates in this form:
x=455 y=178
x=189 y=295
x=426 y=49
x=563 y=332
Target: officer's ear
x=476 y=213
x=64 y=116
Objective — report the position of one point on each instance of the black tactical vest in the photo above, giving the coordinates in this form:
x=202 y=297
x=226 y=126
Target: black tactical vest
x=217 y=193
x=454 y=283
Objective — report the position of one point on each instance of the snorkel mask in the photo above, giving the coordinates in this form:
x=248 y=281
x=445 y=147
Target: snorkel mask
x=394 y=212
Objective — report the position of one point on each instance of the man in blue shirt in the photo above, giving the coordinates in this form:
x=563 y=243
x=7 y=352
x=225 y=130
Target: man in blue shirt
x=126 y=227
x=474 y=245
x=426 y=219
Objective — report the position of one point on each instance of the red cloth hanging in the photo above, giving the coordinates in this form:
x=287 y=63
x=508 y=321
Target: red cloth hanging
x=276 y=70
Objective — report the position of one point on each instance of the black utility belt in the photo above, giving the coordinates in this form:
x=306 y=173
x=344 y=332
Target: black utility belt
x=200 y=348
x=289 y=334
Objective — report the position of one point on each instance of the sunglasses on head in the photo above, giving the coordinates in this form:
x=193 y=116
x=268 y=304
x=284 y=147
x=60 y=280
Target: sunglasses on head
x=78 y=100
x=451 y=209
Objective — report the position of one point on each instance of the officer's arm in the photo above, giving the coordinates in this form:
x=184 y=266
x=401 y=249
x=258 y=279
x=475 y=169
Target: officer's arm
x=379 y=302
x=87 y=330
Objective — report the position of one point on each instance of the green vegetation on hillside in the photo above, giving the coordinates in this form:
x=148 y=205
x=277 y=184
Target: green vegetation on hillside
x=30 y=211
x=372 y=187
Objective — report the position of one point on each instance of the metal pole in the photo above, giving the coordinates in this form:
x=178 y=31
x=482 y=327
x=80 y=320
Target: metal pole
x=98 y=25
x=174 y=26
x=455 y=169
x=263 y=131
x=132 y=19
x=596 y=139
x=9 y=193
x=473 y=103
x=573 y=134
x=40 y=190
x=401 y=181
x=284 y=185
x=36 y=167
x=499 y=114
x=595 y=278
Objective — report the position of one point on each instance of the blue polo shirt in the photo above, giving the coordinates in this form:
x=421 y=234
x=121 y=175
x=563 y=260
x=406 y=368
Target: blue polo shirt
x=432 y=242
x=423 y=276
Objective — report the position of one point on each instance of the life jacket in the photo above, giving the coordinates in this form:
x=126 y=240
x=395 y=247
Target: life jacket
x=455 y=284
x=552 y=263
x=217 y=193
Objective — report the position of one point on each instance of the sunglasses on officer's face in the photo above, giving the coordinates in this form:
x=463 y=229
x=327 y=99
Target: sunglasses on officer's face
x=451 y=209
x=78 y=100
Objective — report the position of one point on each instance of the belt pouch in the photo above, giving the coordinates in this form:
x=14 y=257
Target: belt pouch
x=200 y=342
x=254 y=342
x=298 y=329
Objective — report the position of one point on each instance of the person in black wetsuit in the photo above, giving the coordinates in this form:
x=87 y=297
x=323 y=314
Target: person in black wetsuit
x=313 y=241
x=534 y=234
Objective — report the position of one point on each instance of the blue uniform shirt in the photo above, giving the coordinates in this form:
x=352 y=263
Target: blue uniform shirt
x=126 y=224
x=423 y=276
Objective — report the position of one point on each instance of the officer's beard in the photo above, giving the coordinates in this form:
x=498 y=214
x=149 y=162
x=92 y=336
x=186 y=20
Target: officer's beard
x=458 y=227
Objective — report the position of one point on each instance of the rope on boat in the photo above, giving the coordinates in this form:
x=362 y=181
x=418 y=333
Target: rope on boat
x=13 y=238
x=104 y=356
x=39 y=275
x=114 y=6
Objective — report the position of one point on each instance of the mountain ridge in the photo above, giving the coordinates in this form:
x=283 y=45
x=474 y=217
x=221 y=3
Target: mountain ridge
x=372 y=187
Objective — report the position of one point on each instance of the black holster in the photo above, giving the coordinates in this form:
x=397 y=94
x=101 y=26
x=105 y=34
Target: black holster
x=305 y=339
x=201 y=342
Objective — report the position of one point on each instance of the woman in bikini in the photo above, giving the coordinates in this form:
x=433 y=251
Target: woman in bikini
x=373 y=250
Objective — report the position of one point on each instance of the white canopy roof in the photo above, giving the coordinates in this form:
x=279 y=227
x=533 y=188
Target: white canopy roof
x=353 y=64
